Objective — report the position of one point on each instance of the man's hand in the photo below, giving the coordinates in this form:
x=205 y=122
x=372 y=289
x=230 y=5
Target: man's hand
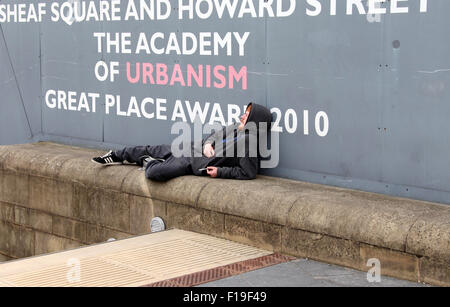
x=208 y=151
x=212 y=171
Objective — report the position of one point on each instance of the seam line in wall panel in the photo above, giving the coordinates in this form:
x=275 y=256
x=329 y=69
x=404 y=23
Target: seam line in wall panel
x=17 y=82
x=41 y=98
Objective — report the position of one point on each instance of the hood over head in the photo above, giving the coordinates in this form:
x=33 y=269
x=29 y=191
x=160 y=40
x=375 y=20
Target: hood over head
x=259 y=114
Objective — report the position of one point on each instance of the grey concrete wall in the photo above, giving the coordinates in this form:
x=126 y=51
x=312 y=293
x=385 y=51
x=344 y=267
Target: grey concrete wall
x=381 y=80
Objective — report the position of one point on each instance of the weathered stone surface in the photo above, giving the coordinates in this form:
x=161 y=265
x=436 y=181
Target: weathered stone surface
x=69 y=228
x=5 y=153
x=321 y=247
x=80 y=198
x=135 y=183
x=51 y=196
x=77 y=170
x=141 y=213
x=56 y=148
x=107 y=208
x=112 y=177
x=44 y=164
x=197 y=220
x=363 y=217
x=16 y=241
x=99 y=234
x=435 y=272
x=47 y=243
x=6 y=212
x=330 y=224
x=21 y=242
x=43 y=158
x=14 y=187
x=255 y=200
x=21 y=216
x=159 y=208
x=259 y=234
x=393 y=263
x=38 y=160
x=18 y=159
x=430 y=235
x=4 y=258
x=142 y=210
x=5 y=237
x=34 y=219
x=184 y=190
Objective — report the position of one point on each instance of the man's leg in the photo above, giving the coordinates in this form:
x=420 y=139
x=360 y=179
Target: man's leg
x=139 y=153
x=169 y=169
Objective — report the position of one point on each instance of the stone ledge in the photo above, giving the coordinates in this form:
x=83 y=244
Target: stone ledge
x=268 y=212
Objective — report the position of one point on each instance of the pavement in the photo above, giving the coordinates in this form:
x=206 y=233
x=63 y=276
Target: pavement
x=178 y=258
x=308 y=273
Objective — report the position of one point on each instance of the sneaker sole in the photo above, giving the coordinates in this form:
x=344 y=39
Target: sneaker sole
x=106 y=164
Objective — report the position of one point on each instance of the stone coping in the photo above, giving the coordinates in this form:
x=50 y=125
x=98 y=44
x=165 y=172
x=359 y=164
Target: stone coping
x=409 y=226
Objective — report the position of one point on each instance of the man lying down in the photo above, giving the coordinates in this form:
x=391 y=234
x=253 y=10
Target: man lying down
x=231 y=153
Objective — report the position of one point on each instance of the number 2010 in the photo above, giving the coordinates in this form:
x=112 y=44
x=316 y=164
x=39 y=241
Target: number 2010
x=290 y=122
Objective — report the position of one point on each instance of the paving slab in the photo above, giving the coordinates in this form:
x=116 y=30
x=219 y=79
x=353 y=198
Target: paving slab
x=307 y=273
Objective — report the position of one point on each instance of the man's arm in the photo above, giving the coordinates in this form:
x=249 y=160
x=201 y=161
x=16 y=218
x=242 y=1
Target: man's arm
x=210 y=143
x=215 y=137
x=220 y=134
x=247 y=170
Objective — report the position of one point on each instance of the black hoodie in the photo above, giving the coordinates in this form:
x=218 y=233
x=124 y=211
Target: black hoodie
x=244 y=166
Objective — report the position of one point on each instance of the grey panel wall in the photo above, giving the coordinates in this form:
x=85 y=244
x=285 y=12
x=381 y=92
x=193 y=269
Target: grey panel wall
x=68 y=57
x=384 y=86
x=20 y=88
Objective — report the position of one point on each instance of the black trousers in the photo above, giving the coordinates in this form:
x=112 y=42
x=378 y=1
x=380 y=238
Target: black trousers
x=156 y=170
